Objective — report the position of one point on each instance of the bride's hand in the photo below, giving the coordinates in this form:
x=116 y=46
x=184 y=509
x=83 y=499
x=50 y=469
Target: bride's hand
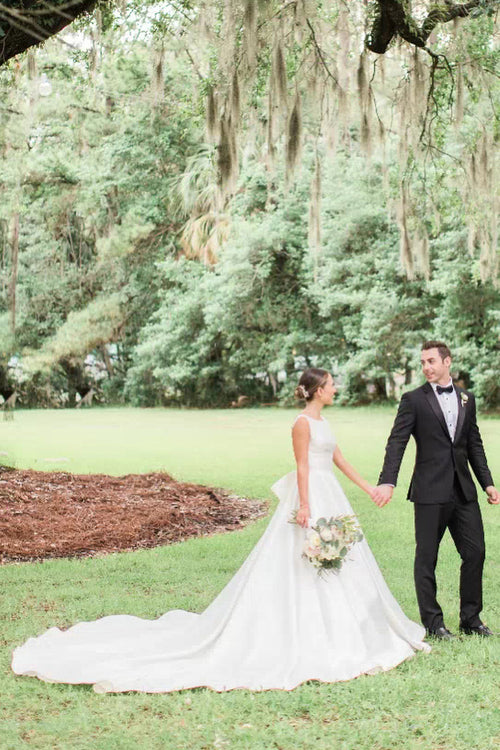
x=303 y=517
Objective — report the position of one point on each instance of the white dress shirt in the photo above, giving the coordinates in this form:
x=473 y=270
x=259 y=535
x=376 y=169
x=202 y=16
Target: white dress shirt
x=449 y=406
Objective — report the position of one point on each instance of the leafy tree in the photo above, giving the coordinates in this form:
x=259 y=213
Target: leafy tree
x=87 y=237
x=329 y=215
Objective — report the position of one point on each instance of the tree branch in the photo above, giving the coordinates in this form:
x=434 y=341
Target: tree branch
x=320 y=54
x=30 y=23
x=393 y=18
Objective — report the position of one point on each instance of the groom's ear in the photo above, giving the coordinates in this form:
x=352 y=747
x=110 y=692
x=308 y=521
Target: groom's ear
x=447 y=361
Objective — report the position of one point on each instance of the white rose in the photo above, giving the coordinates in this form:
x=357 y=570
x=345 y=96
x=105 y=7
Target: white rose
x=326 y=534
x=314 y=539
x=312 y=552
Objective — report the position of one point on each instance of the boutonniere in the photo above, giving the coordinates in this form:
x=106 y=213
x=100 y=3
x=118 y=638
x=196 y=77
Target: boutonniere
x=464 y=398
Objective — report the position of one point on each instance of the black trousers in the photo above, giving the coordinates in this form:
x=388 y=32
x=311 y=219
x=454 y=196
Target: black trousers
x=463 y=519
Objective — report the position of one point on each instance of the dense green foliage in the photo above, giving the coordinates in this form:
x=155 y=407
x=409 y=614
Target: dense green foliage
x=123 y=276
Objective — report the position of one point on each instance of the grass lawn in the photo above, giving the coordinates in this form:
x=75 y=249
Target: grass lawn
x=445 y=700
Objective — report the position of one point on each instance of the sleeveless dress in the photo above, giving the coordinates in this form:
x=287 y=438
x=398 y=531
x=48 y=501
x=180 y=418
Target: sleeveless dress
x=275 y=625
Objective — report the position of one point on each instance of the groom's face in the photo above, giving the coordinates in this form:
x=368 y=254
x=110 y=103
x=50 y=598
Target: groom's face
x=435 y=369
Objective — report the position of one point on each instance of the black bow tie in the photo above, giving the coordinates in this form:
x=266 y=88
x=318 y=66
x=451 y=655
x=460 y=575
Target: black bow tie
x=448 y=389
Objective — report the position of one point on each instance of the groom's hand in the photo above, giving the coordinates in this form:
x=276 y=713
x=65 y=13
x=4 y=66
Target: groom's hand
x=382 y=494
x=493 y=495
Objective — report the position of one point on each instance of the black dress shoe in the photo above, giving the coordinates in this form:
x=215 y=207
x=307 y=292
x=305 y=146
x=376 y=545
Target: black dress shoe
x=441 y=634
x=482 y=630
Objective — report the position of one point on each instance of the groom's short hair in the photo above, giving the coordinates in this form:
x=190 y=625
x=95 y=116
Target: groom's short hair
x=443 y=349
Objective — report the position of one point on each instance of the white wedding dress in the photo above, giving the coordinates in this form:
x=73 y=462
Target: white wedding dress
x=275 y=625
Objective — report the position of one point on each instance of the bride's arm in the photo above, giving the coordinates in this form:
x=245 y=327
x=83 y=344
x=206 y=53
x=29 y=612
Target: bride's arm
x=300 y=439
x=350 y=472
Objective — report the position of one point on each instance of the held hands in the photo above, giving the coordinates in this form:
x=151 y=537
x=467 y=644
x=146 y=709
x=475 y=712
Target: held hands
x=303 y=516
x=493 y=495
x=381 y=494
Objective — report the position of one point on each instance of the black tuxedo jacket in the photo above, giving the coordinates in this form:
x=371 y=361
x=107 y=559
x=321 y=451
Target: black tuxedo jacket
x=439 y=459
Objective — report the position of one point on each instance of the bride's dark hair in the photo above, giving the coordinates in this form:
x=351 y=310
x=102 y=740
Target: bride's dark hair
x=310 y=380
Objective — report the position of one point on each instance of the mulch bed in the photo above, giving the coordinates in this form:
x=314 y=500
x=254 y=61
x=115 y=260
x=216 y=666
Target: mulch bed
x=56 y=514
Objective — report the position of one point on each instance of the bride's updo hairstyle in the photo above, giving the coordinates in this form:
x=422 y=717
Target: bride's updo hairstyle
x=310 y=380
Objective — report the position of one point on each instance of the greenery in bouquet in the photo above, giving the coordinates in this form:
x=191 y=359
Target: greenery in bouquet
x=329 y=540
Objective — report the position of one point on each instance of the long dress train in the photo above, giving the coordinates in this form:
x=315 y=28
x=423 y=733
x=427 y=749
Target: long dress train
x=275 y=625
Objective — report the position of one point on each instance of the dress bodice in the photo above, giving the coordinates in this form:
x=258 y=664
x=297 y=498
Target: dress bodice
x=321 y=443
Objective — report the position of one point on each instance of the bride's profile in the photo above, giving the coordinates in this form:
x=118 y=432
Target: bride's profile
x=276 y=624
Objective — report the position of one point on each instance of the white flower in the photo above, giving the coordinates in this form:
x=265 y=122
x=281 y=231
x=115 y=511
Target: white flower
x=312 y=552
x=464 y=398
x=326 y=534
x=314 y=539
x=330 y=554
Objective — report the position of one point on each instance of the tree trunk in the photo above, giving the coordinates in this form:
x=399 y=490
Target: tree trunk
x=408 y=373
x=394 y=18
x=77 y=380
x=380 y=388
x=28 y=23
x=274 y=383
x=107 y=361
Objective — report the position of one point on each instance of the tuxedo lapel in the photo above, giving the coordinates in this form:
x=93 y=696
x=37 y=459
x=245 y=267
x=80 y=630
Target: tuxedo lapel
x=461 y=415
x=431 y=398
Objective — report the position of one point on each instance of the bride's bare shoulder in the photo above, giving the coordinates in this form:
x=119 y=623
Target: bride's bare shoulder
x=300 y=425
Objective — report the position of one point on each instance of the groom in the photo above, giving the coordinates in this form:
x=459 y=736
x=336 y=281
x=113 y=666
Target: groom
x=442 y=419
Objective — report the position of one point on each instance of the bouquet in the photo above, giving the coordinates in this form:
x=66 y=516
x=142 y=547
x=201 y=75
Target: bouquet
x=329 y=540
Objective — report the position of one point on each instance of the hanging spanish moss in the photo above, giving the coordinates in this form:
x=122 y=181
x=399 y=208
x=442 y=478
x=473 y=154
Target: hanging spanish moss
x=98 y=23
x=278 y=78
x=250 y=33
x=227 y=50
x=234 y=151
x=381 y=138
x=343 y=109
x=271 y=149
x=488 y=258
x=294 y=138
x=492 y=271
x=32 y=76
x=227 y=162
x=300 y=20
x=418 y=89
x=363 y=86
x=158 y=79
x=349 y=96
x=235 y=100
x=344 y=47
x=482 y=201
x=459 y=101
x=225 y=157
x=212 y=120
x=484 y=172
x=366 y=135
x=315 y=216
x=31 y=63
x=331 y=134
x=405 y=252
x=365 y=103
x=422 y=253
x=472 y=239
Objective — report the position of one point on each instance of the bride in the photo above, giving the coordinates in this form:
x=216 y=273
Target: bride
x=276 y=624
